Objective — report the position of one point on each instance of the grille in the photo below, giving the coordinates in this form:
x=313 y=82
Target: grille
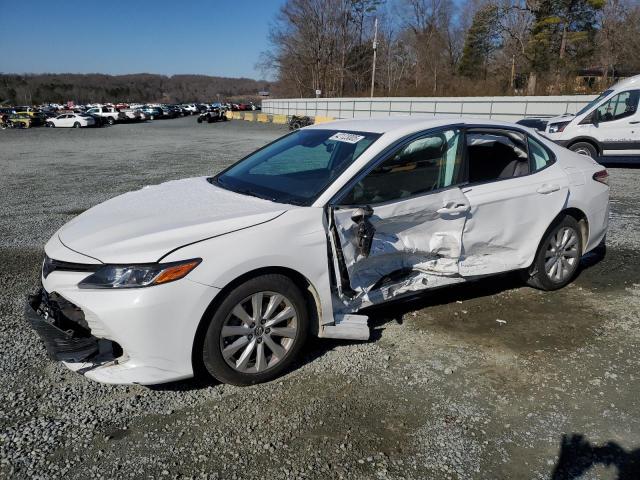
x=50 y=265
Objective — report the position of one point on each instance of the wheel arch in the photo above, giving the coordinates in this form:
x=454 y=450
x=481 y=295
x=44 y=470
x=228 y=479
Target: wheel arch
x=583 y=222
x=306 y=287
x=578 y=215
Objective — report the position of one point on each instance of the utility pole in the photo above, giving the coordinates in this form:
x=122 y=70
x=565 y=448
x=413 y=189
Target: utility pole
x=375 y=51
x=513 y=71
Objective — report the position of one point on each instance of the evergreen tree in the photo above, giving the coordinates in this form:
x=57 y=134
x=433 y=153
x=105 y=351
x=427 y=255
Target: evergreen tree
x=481 y=41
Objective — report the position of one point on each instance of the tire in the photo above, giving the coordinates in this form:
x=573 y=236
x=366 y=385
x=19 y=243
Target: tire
x=199 y=120
x=111 y=120
x=584 y=148
x=296 y=126
x=545 y=274
x=51 y=125
x=77 y=125
x=279 y=349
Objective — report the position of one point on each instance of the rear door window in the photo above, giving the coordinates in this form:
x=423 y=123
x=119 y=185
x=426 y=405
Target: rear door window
x=496 y=154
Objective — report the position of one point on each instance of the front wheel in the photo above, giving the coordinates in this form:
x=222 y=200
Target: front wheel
x=50 y=125
x=584 y=148
x=111 y=120
x=256 y=332
x=558 y=256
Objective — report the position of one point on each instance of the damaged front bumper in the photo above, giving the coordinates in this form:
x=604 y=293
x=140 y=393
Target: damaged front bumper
x=65 y=337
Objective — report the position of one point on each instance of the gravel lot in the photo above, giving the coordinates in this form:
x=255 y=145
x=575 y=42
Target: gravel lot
x=442 y=391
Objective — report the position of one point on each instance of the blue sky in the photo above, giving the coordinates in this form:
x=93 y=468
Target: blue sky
x=215 y=37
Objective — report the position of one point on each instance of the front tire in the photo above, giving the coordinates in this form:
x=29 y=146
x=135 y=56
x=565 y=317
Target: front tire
x=111 y=121
x=256 y=332
x=50 y=125
x=558 y=256
x=584 y=148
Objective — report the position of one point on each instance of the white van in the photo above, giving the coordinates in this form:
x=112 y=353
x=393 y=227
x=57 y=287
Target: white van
x=608 y=125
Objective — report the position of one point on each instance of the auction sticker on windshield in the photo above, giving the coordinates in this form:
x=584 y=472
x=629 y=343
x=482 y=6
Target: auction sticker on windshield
x=346 y=137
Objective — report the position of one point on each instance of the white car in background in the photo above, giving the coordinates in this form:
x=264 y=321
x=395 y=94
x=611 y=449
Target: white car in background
x=229 y=274
x=191 y=108
x=75 y=120
x=608 y=125
x=110 y=114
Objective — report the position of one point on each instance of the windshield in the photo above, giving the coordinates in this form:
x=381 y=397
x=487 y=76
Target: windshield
x=593 y=102
x=296 y=168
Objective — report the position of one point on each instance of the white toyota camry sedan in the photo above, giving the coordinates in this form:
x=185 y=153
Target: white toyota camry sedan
x=228 y=275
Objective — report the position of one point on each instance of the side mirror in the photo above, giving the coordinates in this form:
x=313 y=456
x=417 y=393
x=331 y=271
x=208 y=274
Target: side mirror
x=361 y=214
x=364 y=231
x=595 y=117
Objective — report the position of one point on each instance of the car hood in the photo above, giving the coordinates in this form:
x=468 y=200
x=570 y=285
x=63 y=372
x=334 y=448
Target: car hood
x=144 y=225
x=560 y=118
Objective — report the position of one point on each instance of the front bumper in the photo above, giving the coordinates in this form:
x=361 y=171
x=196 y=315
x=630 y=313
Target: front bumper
x=123 y=336
x=65 y=339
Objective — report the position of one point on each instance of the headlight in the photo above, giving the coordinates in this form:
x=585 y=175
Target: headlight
x=558 y=127
x=135 y=276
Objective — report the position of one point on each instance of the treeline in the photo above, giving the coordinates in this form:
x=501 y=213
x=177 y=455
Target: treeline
x=94 y=88
x=448 y=47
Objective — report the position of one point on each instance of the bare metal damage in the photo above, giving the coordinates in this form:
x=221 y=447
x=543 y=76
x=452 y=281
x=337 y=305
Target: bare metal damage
x=429 y=242
x=415 y=245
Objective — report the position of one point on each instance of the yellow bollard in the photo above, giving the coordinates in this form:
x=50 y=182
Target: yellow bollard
x=323 y=119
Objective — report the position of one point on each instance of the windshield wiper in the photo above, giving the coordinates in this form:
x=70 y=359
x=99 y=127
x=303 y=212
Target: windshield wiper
x=243 y=191
x=252 y=193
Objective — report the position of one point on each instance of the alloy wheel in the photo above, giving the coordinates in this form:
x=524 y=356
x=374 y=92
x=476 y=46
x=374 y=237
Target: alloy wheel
x=562 y=255
x=259 y=332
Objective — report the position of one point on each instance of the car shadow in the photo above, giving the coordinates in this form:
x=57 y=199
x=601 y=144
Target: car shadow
x=394 y=311
x=617 y=162
x=578 y=455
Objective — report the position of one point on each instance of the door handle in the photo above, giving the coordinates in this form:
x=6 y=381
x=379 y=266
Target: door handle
x=452 y=210
x=635 y=123
x=546 y=188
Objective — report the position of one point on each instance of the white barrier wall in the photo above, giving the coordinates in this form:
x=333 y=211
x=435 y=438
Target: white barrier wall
x=498 y=108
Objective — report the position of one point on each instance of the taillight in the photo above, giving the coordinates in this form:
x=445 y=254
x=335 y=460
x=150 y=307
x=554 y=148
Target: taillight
x=602 y=176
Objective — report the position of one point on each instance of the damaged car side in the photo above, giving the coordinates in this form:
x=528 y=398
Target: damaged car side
x=229 y=274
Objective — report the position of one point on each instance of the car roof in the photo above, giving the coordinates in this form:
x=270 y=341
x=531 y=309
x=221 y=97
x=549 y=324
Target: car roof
x=626 y=83
x=403 y=125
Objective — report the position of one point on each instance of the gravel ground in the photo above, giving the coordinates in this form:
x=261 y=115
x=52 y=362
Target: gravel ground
x=442 y=391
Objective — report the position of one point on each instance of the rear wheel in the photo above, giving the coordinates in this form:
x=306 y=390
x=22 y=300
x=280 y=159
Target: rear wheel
x=256 y=332
x=558 y=256
x=584 y=148
x=76 y=125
